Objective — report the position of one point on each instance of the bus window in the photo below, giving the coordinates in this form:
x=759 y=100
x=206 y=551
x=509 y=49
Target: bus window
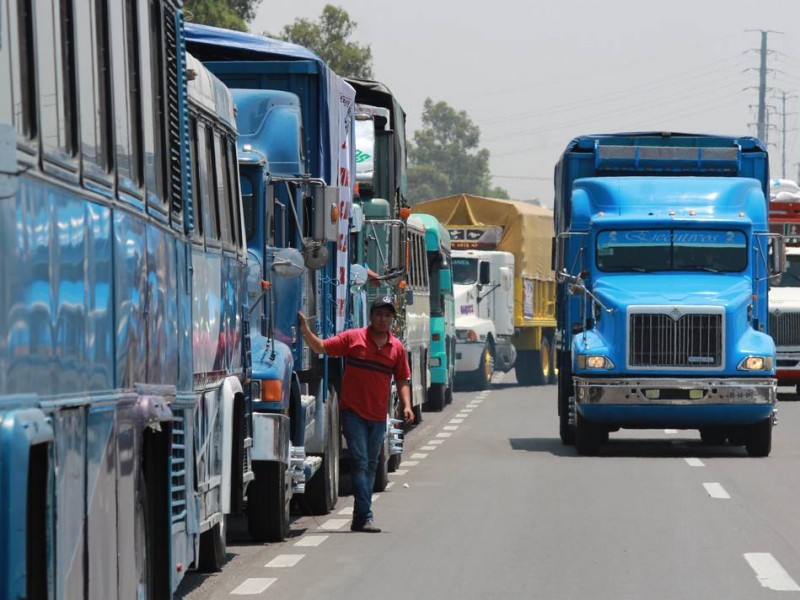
x=222 y=197
x=18 y=48
x=94 y=86
x=209 y=189
x=197 y=206
x=152 y=94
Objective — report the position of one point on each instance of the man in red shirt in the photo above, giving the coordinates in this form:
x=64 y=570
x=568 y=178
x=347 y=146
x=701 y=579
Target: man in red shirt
x=372 y=356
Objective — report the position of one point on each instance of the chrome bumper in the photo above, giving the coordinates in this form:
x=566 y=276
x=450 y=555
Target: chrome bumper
x=675 y=391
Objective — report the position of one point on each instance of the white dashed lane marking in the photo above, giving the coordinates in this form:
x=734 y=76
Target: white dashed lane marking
x=419 y=456
x=444 y=434
x=456 y=421
x=715 y=490
x=401 y=471
x=429 y=448
x=694 y=462
x=312 y=540
x=389 y=485
x=334 y=524
x=283 y=561
x=436 y=442
x=450 y=427
x=252 y=586
x=770 y=573
x=409 y=463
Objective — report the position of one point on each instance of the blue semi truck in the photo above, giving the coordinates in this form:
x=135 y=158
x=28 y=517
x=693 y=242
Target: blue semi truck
x=295 y=155
x=663 y=257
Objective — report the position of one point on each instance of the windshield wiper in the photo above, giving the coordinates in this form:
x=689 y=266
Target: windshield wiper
x=705 y=268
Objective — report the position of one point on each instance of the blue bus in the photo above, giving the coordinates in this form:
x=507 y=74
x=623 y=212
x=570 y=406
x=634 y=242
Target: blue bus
x=123 y=322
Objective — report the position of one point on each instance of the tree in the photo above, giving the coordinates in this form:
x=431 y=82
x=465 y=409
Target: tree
x=229 y=14
x=448 y=145
x=328 y=38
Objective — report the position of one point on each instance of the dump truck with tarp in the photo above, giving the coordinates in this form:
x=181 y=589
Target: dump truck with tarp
x=504 y=287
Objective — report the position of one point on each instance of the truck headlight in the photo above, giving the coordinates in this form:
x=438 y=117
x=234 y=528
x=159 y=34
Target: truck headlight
x=594 y=361
x=756 y=363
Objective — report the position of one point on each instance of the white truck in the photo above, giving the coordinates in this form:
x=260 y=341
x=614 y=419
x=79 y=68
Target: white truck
x=784 y=294
x=483 y=286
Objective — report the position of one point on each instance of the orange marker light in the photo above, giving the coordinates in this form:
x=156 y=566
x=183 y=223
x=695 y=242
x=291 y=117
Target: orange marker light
x=405 y=213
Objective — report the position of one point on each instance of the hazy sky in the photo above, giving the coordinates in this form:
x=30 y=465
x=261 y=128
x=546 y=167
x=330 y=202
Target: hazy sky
x=532 y=75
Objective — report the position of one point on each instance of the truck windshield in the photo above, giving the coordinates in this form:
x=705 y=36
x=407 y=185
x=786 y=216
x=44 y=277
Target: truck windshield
x=465 y=270
x=790 y=277
x=647 y=250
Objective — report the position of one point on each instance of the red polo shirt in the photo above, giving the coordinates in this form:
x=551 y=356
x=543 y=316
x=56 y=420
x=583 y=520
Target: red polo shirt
x=368 y=371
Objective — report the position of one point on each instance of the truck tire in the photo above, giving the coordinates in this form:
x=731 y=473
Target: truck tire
x=713 y=436
x=268 y=497
x=322 y=491
x=436 y=397
x=523 y=367
x=482 y=376
x=212 y=548
x=589 y=436
x=759 y=438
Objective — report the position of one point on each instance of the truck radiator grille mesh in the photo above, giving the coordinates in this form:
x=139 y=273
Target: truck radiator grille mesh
x=659 y=340
x=785 y=328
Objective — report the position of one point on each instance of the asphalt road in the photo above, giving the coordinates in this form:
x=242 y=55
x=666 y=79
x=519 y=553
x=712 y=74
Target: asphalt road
x=489 y=504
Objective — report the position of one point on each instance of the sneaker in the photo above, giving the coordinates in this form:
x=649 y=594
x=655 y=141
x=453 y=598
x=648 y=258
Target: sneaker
x=367 y=526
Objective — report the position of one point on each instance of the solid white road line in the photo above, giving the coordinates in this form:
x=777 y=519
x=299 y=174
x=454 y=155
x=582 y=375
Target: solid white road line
x=254 y=585
x=311 y=540
x=284 y=560
x=670 y=431
x=770 y=573
x=715 y=490
x=694 y=462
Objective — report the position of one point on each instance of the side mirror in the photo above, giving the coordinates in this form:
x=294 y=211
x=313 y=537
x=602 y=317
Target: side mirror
x=777 y=262
x=315 y=255
x=397 y=256
x=326 y=214
x=288 y=263
x=358 y=275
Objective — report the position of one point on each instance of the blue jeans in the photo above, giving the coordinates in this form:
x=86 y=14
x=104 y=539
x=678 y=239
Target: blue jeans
x=364 y=439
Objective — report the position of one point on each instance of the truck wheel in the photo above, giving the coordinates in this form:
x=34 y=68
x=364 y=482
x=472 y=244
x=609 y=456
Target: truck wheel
x=322 y=491
x=759 y=439
x=553 y=377
x=589 y=436
x=482 y=376
x=523 y=367
x=713 y=436
x=545 y=365
x=212 y=548
x=436 y=397
x=268 y=497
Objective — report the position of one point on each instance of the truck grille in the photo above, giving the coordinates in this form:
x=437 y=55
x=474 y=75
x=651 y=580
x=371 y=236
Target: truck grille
x=661 y=340
x=785 y=328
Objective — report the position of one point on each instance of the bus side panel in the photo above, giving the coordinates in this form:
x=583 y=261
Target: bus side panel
x=101 y=495
x=130 y=287
x=70 y=450
x=162 y=310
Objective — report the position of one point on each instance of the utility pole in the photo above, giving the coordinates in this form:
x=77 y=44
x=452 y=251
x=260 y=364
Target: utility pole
x=783 y=148
x=762 y=85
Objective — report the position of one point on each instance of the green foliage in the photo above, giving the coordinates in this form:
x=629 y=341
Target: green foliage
x=446 y=158
x=229 y=14
x=329 y=39
x=498 y=192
